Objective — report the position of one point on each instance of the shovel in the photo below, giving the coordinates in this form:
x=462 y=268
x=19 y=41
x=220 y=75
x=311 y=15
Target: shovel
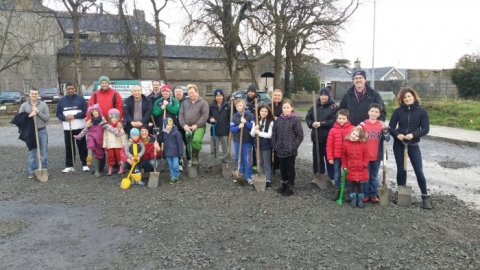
x=383 y=191
x=153 y=178
x=41 y=174
x=226 y=169
x=318 y=177
x=214 y=169
x=126 y=182
x=259 y=180
x=405 y=192
x=238 y=176
x=191 y=170
x=342 y=187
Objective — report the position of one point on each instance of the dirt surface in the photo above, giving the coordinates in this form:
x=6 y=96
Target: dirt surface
x=75 y=221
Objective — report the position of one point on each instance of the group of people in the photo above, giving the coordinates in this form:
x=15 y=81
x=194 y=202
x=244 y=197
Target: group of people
x=349 y=135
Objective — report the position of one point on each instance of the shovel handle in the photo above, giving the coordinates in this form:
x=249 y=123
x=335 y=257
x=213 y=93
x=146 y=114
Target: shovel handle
x=405 y=156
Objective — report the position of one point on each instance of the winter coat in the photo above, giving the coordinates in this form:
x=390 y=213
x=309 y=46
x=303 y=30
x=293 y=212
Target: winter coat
x=326 y=116
x=149 y=149
x=221 y=114
x=26 y=129
x=129 y=149
x=107 y=100
x=251 y=103
x=247 y=126
x=287 y=135
x=355 y=158
x=110 y=140
x=277 y=109
x=75 y=105
x=130 y=110
x=359 y=109
x=265 y=134
x=173 y=109
x=410 y=119
x=172 y=143
x=335 y=139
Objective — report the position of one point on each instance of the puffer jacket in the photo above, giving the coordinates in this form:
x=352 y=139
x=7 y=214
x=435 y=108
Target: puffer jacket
x=335 y=139
x=221 y=114
x=355 y=158
x=410 y=119
x=287 y=135
x=326 y=116
x=110 y=140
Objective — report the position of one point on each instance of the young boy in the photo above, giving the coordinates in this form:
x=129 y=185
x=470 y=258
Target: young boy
x=236 y=124
x=134 y=151
x=335 y=139
x=373 y=129
x=173 y=148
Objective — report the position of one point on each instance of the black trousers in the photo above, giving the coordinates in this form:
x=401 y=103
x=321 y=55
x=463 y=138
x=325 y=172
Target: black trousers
x=81 y=146
x=287 y=170
x=276 y=161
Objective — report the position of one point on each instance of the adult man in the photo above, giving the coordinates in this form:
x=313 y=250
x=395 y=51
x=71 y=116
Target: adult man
x=166 y=102
x=156 y=94
x=38 y=109
x=220 y=117
x=358 y=98
x=178 y=93
x=71 y=110
x=277 y=100
x=138 y=109
x=193 y=117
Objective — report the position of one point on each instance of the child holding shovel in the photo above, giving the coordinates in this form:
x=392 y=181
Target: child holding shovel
x=113 y=143
x=173 y=148
x=243 y=119
x=287 y=136
x=355 y=159
x=134 y=151
x=264 y=131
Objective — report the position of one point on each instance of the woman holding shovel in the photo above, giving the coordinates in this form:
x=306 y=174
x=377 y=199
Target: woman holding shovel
x=409 y=122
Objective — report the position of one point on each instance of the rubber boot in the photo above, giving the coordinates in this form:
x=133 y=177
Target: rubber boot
x=195 y=157
x=336 y=194
x=427 y=203
x=360 y=200
x=288 y=191
x=353 y=199
x=346 y=195
x=110 y=169
x=96 y=164
x=282 y=188
x=121 y=170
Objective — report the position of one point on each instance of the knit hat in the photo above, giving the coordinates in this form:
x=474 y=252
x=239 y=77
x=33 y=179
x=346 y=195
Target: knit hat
x=113 y=113
x=218 y=91
x=252 y=88
x=134 y=132
x=165 y=88
x=167 y=121
x=324 y=91
x=360 y=72
x=94 y=107
x=104 y=79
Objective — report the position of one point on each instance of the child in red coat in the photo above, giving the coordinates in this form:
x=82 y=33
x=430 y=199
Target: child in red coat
x=355 y=159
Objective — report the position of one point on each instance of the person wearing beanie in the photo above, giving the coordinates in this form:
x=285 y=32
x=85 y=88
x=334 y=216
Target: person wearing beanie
x=358 y=98
x=219 y=118
x=250 y=102
x=326 y=110
x=134 y=151
x=114 y=143
x=165 y=106
x=172 y=148
x=138 y=109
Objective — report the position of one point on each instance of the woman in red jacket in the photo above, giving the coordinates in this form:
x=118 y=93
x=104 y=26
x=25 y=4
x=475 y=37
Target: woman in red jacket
x=355 y=159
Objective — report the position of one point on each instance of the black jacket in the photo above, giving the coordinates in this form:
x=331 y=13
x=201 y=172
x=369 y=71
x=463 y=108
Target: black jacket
x=287 y=135
x=326 y=117
x=359 y=109
x=172 y=143
x=26 y=128
x=130 y=108
x=221 y=114
x=410 y=119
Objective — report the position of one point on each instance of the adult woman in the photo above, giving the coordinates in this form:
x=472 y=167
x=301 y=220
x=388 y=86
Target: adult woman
x=409 y=122
x=148 y=158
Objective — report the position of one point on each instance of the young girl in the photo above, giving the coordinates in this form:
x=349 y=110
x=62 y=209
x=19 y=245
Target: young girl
x=355 y=159
x=287 y=136
x=173 y=148
x=113 y=143
x=264 y=131
x=134 y=151
x=335 y=139
x=236 y=124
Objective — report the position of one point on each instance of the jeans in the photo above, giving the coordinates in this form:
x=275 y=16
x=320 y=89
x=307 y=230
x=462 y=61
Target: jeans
x=245 y=159
x=337 y=165
x=415 y=156
x=322 y=147
x=266 y=163
x=32 y=154
x=370 y=187
x=173 y=166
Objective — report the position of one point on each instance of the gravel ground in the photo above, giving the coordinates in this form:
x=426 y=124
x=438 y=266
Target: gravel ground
x=75 y=221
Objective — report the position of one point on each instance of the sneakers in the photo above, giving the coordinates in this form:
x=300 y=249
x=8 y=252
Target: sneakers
x=366 y=199
x=172 y=180
x=31 y=175
x=373 y=199
x=68 y=169
x=249 y=181
x=141 y=183
x=86 y=169
x=313 y=182
x=268 y=184
x=89 y=160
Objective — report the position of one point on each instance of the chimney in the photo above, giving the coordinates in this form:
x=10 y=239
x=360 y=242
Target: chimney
x=24 y=4
x=101 y=8
x=139 y=14
x=357 y=64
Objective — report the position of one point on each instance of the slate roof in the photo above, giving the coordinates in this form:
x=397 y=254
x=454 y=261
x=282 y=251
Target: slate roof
x=329 y=73
x=10 y=4
x=169 y=51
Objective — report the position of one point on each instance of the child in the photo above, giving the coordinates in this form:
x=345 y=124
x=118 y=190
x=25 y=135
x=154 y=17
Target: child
x=173 y=148
x=326 y=110
x=264 y=131
x=236 y=124
x=375 y=136
x=95 y=128
x=286 y=138
x=113 y=143
x=134 y=151
x=355 y=159
x=335 y=139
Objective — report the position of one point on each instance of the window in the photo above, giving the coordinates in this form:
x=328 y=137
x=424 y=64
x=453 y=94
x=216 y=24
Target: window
x=202 y=65
x=209 y=90
x=150 y=64
x=186 y=65
x=114 y=63
x=27 y=85
x=168 y=65
x=217 y=66
x=80 y=36
x=95 y=62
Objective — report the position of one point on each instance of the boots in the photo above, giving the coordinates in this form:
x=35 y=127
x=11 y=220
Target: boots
x=110 y=169
x=282 y=188
x=427 y=203
x=96 y=163
x=346 y=195
x=288 y=191
x=121 y=170
x=336 y=194
x=360 y=200
x=195 y=157
x=353 y=199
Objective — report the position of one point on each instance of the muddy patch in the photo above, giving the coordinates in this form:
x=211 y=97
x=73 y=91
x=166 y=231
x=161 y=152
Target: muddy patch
x=453 y=164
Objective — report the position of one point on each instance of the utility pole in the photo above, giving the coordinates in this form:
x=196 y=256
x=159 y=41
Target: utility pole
x=372 y=82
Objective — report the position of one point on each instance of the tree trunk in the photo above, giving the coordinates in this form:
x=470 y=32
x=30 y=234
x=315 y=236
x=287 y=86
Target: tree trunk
x=76 y=51
x=159 y=39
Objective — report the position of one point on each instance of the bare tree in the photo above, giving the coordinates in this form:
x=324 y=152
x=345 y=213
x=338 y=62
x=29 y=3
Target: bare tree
x=159 y=37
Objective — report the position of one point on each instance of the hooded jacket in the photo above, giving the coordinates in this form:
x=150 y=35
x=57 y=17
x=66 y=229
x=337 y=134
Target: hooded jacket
x=335 y=140
x=221 y=114
x=172 y=142
x=355 y=158
x=326 y=116
x=287 y=135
